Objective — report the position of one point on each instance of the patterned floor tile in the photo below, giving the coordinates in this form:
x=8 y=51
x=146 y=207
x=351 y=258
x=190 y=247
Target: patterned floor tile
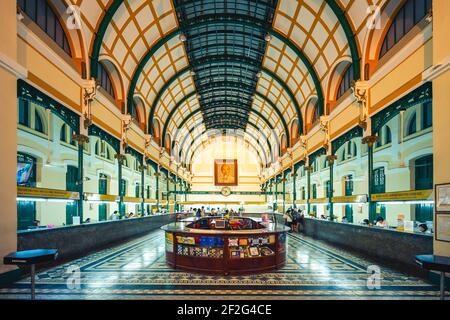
x=137 y=270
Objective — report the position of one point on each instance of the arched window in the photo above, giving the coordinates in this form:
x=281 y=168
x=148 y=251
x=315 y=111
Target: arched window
x=283 y=145
x=168 y=143
x=108 y=154
x=427 y=115
x=351 y=150
x=156 y=131
x=294 y=132
x=24 y=113
x=412 y=125
x=38 y=123
x=43 y=15
x=105 y=80
x=409 y=15
x=316 y=115
x=135 y=113
x=343 y=155
x=388 y=135
x=346 y=82
x=97 y=148
x=63 y=133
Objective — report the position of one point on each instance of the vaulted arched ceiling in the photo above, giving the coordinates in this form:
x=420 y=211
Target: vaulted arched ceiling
x=204 y=65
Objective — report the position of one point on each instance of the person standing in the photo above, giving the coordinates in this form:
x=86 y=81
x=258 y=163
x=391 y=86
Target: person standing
x=288 y=219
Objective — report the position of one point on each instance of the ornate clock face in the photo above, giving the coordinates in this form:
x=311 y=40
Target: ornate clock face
x=226 y=191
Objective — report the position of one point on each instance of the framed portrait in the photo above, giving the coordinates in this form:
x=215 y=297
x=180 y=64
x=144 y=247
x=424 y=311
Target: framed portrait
x=442 y=229
x=226 y=172
x=442 y=198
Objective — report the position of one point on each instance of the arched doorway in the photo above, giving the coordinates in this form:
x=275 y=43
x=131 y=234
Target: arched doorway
x=103 y=189
x=71 y=185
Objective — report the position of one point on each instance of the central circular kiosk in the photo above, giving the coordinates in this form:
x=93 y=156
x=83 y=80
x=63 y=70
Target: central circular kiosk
x=226 y=246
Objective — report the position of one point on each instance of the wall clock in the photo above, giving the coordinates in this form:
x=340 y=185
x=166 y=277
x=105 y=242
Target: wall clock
x=226 y=191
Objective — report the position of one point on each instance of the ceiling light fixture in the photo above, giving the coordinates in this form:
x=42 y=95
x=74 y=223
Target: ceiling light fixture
x=183 y=37
x=268 y=37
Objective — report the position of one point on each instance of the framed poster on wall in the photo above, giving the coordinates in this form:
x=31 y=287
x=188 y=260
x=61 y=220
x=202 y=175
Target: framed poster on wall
x=226 y=172
x=442 y=195
x=443 y=227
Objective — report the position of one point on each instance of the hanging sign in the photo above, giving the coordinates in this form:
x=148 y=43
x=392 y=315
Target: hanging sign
x=413 y=195
x=28 y=192
x=350 y=199
x=101 y=197
x=318 y=201
x=132 y=200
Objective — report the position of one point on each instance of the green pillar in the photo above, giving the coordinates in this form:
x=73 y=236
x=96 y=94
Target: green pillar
x=142 y=187
x=80 y=177
x=119 y=158
x=370 y=141
x=276 y=195
x=175 y=194
x=294 y=188
x=331 y=160
x=308 y=182
x=167 y=189
x=284 y=194
x=157 y=188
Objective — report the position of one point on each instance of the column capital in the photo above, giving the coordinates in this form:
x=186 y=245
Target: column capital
x=331 y=158
x=120 y=157
x=370 y=140
x=81 y=139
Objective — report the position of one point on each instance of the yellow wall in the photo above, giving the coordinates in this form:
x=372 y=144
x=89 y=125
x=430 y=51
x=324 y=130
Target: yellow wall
x=8 y=215
x=441 y=98
x=203 y=169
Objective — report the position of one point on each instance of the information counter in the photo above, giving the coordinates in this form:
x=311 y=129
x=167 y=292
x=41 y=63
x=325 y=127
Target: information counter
x=226 y=246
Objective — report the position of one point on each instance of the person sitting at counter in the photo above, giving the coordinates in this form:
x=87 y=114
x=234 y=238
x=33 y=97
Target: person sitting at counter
x=423 y=227
x=344 y=220
x=114 y=216
x=382 y=223
x=198 y=214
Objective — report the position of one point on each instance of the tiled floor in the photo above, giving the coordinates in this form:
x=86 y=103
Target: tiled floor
x=137 y=270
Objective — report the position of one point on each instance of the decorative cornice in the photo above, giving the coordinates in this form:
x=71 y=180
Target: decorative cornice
x=13 y=67
x=436 y=71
